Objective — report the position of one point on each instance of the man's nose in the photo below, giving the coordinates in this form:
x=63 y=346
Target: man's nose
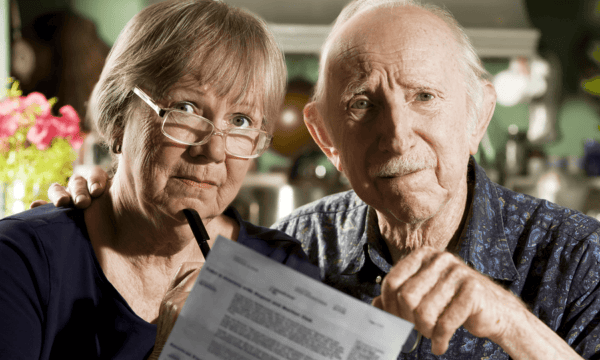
x=213 y=149
x=396 y=129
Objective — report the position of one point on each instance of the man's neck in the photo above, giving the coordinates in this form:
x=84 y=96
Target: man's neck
x=441 y=231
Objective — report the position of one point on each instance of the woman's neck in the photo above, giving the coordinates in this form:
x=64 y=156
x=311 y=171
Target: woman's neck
x=140 y=256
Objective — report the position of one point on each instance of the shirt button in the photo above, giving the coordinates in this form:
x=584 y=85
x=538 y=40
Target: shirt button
x=378 y=279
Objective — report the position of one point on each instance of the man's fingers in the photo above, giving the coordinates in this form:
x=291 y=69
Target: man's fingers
x=455 y=314
x=58 y=195
x=37 y=203
x=438 y=299
x=395 y=300
x=78 y=188
x=97 y=181
x=377 y=302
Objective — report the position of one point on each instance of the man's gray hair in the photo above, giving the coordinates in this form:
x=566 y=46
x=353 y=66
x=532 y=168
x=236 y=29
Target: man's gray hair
x=469 y=61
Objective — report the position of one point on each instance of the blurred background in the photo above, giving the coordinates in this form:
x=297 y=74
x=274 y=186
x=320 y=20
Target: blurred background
x=544 y=56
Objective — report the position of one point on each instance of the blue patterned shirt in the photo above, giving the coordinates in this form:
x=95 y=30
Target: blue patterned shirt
x=546 y=254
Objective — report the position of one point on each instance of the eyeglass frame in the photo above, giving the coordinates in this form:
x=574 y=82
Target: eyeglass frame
x=163 y=112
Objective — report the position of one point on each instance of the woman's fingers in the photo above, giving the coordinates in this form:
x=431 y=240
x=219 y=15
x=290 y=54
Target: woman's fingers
x=186 y=276
x=173 y=301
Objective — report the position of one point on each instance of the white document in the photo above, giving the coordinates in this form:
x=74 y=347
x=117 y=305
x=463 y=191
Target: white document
x=245 y=306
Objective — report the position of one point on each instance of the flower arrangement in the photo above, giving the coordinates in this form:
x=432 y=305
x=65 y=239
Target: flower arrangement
x=36 y=147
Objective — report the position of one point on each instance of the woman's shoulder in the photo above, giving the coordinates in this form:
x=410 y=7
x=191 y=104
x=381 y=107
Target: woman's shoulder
x=44 y=237
x=274 y=244
x=44 y=223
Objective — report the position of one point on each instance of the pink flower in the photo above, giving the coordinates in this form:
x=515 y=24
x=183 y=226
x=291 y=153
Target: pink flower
x=8 y=106
x=8 y=126
x=43 y=132
x=48 y=127
x=9 y=122
x=36 y=102
x=34 y=110
x=69 y=126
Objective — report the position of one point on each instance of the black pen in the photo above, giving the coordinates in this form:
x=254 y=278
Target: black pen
x=198 y=229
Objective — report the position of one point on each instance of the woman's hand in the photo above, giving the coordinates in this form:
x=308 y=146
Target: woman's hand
x=77 y=191
x=172 y=303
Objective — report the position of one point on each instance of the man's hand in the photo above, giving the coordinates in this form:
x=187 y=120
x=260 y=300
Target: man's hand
x=438 y=292
x=86 y=183
x=173 y=301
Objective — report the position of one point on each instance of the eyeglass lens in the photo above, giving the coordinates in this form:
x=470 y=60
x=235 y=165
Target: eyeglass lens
x=191 y=129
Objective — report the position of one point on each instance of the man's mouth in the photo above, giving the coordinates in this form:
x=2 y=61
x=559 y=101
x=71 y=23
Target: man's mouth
x=198 y=184
x=398 y=174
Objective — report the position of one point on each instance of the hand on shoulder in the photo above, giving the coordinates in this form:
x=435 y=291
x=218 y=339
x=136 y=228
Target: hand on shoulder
x=87 y=183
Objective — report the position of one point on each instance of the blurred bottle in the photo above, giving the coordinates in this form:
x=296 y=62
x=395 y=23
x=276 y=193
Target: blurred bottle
x=561 y=183
x=591 y=157
x=515 y=154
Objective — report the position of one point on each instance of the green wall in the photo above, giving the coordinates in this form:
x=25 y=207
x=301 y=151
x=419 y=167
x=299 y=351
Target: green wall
x=110 y=16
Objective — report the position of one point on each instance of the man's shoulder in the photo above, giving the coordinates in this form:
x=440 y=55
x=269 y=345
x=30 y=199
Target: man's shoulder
x=522 y=211
x=331 y=224
x=332 y=231
x=341 y=206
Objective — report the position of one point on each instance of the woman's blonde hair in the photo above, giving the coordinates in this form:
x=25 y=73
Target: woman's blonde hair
x=226 y=48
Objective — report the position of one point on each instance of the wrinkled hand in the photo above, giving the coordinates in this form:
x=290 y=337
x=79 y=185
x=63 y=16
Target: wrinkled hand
x=171 y=305
x=77 y=191
x=438 y=292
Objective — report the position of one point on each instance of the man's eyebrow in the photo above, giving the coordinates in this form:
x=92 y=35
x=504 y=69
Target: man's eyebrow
x=357 y=83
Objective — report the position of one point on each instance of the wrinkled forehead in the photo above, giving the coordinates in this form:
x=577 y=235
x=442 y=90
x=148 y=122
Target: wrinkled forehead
x=391 y=39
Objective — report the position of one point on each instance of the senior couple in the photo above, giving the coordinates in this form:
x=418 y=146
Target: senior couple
x=401 y=104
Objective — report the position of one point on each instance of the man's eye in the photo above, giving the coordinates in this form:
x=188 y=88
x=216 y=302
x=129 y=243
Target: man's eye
x=361 y=104
x=425 y=97
x=241 y=121
x=185 y=107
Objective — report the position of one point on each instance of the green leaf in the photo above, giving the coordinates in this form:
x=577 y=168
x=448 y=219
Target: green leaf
x=592 y=86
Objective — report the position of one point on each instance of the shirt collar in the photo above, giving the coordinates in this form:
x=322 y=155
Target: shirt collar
x=482 y=243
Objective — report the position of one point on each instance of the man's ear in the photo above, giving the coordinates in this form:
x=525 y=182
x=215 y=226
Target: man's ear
x=316 y=127
x=485 y=116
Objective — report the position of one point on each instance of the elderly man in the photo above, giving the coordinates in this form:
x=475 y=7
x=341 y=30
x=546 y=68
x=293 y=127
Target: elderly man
x=401 y=104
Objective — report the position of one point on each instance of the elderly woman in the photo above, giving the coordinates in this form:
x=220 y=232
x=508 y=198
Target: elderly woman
x=185 y=101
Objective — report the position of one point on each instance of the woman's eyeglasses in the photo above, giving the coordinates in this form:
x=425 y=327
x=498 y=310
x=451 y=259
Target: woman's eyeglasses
x=191 y=129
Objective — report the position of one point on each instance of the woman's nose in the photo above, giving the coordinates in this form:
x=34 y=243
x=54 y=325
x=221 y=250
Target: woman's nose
x=213 y=149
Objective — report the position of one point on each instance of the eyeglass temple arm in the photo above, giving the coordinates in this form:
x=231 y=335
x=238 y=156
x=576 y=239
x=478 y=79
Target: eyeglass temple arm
x=148 y=100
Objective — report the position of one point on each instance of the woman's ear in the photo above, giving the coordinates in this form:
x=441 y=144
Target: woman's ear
x=485 y=116
x=318 y=130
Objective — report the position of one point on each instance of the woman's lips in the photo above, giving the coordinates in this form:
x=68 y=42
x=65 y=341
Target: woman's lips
x=198 y=184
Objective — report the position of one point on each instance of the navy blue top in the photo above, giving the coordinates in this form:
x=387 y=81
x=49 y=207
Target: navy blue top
x=56 y=303
x=544 y=253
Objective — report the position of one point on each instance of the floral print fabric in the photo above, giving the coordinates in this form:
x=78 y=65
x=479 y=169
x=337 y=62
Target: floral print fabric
x=546 y=254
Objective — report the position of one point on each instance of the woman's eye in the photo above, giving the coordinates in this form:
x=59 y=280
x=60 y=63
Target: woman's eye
x=241 y=121
x=361 y=104
x=185 y=106
x=425 y=97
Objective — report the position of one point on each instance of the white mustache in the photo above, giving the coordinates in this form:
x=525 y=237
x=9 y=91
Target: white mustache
x=400 y=166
